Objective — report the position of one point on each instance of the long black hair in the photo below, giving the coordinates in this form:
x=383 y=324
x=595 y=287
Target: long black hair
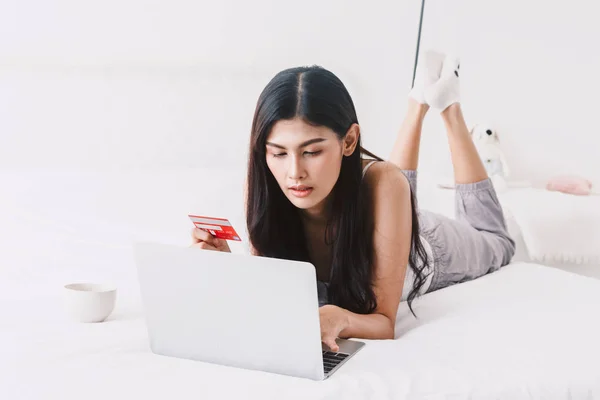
x=275 y=229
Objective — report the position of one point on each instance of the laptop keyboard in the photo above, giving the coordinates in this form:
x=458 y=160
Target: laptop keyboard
x=331 y=360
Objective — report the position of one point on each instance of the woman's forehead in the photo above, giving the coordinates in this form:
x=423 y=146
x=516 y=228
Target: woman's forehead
x=296 y=131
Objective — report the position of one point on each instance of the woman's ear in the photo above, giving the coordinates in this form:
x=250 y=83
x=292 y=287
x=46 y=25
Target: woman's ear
x=351 y=140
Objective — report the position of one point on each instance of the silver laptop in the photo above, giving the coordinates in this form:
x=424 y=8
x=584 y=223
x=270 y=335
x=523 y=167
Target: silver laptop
x=237 y=310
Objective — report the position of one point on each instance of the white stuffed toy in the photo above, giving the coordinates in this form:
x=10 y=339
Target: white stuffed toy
x=487 y=143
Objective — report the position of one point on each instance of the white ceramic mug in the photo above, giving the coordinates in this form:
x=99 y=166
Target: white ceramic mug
x=89 y=302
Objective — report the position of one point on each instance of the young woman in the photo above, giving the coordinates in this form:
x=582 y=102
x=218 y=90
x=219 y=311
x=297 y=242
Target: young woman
x=312 y=197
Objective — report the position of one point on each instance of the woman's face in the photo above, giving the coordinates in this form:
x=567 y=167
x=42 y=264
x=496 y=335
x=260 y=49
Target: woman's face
x=306 y=160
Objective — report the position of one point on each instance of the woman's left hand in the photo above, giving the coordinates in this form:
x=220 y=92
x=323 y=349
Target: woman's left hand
x=334 y=319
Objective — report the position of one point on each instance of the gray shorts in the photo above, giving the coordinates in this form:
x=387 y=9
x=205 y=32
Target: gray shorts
x=474 y=243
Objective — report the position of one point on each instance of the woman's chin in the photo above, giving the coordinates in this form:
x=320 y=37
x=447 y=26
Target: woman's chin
x=304 y=203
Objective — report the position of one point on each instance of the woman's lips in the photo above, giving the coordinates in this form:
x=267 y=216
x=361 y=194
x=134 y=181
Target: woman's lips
x=301 y=191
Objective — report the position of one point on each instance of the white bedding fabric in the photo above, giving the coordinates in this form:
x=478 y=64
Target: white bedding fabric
x=557 y=227
x=525 y=332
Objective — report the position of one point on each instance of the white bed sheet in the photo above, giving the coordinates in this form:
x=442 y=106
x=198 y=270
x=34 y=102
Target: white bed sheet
x=525 y=332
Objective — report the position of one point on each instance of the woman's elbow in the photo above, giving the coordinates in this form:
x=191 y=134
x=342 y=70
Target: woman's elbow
x=390 y=331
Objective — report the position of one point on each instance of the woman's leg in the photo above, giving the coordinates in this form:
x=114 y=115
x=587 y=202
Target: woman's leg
x=405 y=153
x=467 y=164
x=477 y=241
x=476 y=201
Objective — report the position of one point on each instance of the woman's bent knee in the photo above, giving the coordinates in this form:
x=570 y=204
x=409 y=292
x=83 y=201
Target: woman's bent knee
x=503 y=248
x=508 y=247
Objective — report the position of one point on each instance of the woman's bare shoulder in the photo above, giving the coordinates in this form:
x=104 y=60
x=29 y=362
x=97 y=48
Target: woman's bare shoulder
x=386 y=175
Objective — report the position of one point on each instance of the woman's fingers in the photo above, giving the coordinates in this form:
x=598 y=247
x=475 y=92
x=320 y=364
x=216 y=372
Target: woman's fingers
x=219 y=242
x=331 y=343
x=331 y=321
x=198 y=235
x=328 y=337
x=204 y=240
x=204 y=246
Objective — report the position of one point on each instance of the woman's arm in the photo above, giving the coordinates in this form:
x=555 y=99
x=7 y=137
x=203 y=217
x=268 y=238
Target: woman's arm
x=338 y=322
x=391 y=207
x=369 y=326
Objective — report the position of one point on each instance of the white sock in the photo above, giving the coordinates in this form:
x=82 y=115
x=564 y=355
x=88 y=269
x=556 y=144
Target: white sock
x=446 y=90
x=428 y=71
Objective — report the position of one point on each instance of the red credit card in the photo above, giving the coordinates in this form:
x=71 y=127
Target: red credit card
x=218 y=227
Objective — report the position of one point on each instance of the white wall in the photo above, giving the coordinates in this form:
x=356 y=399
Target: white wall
x=136 y=84
x=531 y=68
x=132 y=84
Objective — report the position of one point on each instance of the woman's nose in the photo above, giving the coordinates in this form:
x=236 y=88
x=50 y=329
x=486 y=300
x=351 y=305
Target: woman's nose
x=296 y=170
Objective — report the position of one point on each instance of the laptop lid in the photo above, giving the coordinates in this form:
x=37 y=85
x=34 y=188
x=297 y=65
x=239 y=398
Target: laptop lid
x=230 y=309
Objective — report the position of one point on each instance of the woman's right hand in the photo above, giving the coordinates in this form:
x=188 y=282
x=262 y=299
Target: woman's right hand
x=204 y=240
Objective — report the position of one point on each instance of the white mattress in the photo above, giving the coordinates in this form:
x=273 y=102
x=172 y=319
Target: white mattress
x=527 y=331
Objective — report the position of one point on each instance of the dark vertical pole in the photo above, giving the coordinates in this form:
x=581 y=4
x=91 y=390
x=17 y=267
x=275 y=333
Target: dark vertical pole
x=418 y=43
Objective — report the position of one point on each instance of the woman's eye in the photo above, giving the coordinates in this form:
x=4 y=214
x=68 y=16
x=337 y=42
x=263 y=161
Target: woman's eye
x=312 y=153
x=277 y=155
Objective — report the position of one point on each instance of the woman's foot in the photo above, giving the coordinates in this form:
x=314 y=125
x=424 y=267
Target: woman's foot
x=428 y=72
x=446 y=90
